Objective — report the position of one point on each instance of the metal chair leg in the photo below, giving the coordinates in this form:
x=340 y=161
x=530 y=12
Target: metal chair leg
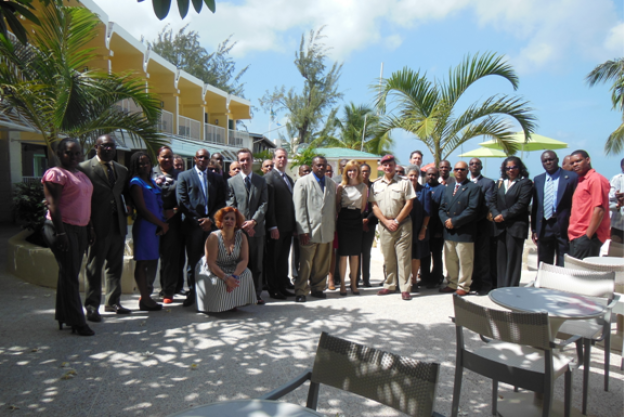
x=586 y=375
x=606 y=361
x=494 y=394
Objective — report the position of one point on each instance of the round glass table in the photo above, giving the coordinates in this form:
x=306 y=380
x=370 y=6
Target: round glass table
x=249 y=408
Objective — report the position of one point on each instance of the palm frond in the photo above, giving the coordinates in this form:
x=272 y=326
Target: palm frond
x=614 y=144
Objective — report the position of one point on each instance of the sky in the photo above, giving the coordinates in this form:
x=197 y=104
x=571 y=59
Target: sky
x=551 y=44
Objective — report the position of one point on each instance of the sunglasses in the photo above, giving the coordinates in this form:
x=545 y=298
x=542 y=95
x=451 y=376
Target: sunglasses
x=459 y=169
x=511 y=168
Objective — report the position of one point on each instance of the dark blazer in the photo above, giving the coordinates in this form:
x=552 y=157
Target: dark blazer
x=283 y=208
x=253 y=207
x=564 y=200
x=488 y=195
x=514 y=207
x=191 y=199
x=463 y=209
x=368 y=213
x=435 y=226
x=106 y=199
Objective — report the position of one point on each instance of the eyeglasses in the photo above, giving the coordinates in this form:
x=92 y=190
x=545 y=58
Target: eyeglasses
x=459 y=169
x=549 y=159
x=511 y=168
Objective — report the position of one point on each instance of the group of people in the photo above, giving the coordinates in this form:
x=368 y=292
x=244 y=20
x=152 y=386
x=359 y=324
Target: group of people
x=235 y=230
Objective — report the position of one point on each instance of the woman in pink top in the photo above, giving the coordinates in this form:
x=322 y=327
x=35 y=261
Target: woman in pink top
x=67 y=231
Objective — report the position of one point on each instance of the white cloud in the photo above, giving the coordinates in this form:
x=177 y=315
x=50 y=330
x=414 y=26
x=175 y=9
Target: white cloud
x=548 y=30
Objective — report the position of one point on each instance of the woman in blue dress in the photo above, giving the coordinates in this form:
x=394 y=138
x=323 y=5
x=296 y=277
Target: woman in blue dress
x=420 y=215
x=147 y=228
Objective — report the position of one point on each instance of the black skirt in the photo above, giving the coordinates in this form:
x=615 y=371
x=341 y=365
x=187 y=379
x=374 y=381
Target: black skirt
x=349 y=230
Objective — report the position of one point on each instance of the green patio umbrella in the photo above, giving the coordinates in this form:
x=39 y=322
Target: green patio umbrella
x=484 y=153
x=535 y=143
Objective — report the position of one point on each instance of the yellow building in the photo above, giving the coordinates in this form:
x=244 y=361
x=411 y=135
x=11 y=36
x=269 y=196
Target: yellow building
x=194 y=114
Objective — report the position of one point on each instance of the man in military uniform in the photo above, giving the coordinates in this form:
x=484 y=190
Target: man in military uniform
x=392 y=199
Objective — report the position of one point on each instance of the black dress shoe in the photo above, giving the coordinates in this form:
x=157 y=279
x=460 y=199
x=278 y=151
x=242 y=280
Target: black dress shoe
x=117 y=309
x=318 y=294
x=300 y=298
x=183 y=292
x=93 y=314
x=190 y=300
x=145 y=307
x=287 y=293
x=290 y=286
x=277 y=296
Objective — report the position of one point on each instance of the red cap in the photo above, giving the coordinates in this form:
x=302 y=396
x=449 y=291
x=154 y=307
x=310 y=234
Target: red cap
x=387 y=158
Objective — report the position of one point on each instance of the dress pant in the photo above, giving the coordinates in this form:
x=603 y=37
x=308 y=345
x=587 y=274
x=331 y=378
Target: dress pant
x=551 y=244
x=314 y=262
x=68 y=305
x=435 y=276
x=255 y=261
x=397 y=251
x=276 y=265
x=107 y=250
x=582 y=247
x=509 y=260
x=481 y=278
x=171 y=247
x=459 y=263
x=194 y=242
x=364 y=265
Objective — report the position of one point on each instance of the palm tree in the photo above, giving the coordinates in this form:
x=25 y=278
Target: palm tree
x=427 y=109
x=356 y=119
x=611 y=71
x=48 y=85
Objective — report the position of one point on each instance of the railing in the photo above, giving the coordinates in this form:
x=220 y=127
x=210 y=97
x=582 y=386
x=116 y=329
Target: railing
x=128 y=106
x=214 y=134
x=31 y=180
x=188 y=128
x=166 y=122
x=239 y=139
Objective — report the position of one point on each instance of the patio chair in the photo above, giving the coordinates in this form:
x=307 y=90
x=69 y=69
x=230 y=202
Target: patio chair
x=615 y=249
x=596 y=285
x=399 y=382
x=520 y=353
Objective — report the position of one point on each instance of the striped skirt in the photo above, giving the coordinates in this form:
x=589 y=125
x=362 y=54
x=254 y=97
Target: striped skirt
x=211 y=293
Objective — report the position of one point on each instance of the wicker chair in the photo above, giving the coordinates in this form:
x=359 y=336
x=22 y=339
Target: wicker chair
x=402 y=383
x=600 y=287
x=520 y=353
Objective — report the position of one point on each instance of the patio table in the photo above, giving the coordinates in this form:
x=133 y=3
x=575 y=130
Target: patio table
x=249 y=408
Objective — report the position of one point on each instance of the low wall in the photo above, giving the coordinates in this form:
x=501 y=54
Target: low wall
x=37 y=265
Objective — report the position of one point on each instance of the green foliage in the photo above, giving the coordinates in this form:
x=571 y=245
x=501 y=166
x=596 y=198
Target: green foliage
x=183 y=49
x=262 y=155
x=28 y=205
x=48 y=84
x=347 y=132
x=161 y=7
x=307 y=109
x=611 y=71
x=305 y=157
x=427 y=108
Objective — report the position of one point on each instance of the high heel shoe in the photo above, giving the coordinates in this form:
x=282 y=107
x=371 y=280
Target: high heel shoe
x=83 y=330
x=145 y=307
x=355 y=291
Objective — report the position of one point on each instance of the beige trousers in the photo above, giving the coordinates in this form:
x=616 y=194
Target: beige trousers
x=397 y=250
x=314 y=264
x=459 y=264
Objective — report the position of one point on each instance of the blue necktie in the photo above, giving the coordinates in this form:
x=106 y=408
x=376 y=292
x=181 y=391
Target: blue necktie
x=248 y=184
x=549 y=198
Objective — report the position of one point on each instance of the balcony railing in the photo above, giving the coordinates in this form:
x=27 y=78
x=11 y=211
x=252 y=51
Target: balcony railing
x=214 y=134
x=239 y=139
x=166 y=122
x=128 y=106
x=188 y=128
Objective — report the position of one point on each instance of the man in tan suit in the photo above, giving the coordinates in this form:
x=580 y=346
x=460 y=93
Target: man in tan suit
x=314 y=197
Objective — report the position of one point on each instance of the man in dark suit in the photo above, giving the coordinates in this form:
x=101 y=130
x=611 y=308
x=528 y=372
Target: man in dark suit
x=458 y=211
x=483 y=274
x=434 y=278
x=108 y=217
x=278 y=247
x=551 y=210
x=200 y=194
x=248 y=193
x=219 y=160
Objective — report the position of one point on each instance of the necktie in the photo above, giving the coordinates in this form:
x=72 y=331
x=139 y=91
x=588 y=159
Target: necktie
x=456 y=188
x=110 y=174
x=288 y=183
x=549 y=198
x=204 y=189
x=248 y=184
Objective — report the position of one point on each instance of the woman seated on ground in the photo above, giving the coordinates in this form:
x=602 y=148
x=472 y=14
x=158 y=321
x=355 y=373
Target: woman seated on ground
x=223 y=280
